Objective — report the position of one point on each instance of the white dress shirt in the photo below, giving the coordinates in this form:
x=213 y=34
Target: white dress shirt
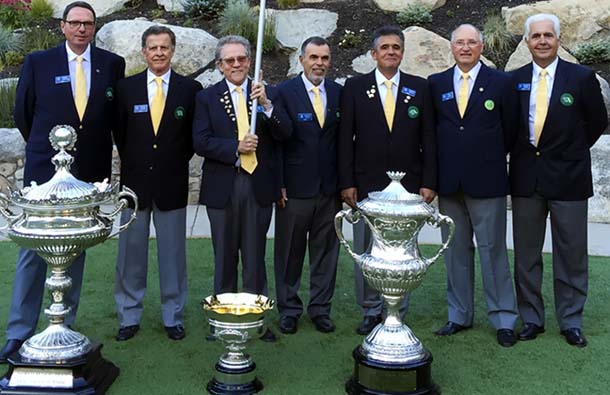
x=309 y=86
x=152 y=85
x=550 y=79
x=472 y=77
x=86 y=67
x=381 y=88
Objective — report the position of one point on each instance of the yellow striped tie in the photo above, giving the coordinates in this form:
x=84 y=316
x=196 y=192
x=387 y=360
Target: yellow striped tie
x=542 y=106
x=80 y=91
x=389 y=106
x=248 y=161
x=157 y=105
x=463 y=95
x=318 y=106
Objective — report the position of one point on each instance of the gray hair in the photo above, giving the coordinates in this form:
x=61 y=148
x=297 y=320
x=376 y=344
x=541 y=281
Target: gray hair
x=540 y=18
x=467 y=25
x=313 y=40
x=388 y=30
x=231 y=40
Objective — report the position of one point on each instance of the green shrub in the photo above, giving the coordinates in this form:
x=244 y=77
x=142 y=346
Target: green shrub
x=241 y=19
x=204 y=9
x=13 y=13
x=287 y=3
x=498 y=39
x=593 y=51
x=8 y=42
x=38 y=39
x=40 y=11
x=352 y=39
x=13 y=58
x=414 y=14
x=7 y=104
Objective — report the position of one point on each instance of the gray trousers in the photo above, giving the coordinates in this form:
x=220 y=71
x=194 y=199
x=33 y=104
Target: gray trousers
x=301 y=224
x=570 y=260
x=240 y=227
x=132 y=265
x=486 y=220
x=29 y=289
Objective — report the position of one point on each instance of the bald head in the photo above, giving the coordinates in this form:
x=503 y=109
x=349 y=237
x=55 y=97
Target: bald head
x=466 y=46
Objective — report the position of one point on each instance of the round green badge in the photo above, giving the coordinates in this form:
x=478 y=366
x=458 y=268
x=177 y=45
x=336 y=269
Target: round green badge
x=413 y=112
x=109 y=93
x=489 y=104
x=179 y=112
x=566 y=99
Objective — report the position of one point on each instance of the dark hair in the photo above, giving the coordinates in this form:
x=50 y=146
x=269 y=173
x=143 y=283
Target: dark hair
x=155 y=30
x=315 y=40
x=388 y=30
x=77 y=4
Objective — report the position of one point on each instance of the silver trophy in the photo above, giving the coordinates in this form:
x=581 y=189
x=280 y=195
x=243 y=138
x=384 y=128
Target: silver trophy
x=59 y=220
x=236 y=319
x=391 y=359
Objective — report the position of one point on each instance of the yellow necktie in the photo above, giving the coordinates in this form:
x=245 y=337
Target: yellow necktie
x=463 y=95
x=248 y=161
x=80 y=91
x=157 y=105
x=389 y=106
x=318 y=106
x=542 y=106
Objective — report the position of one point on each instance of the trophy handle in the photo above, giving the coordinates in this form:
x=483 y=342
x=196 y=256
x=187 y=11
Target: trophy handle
x=438 y=220
x=6 y=213
x=124 y=197
x=352 y=216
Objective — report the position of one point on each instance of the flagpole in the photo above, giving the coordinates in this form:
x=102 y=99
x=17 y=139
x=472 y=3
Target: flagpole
x=257 y=62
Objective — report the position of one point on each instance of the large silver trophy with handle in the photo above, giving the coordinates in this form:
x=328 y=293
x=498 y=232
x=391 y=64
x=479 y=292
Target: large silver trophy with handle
x=59 y=220
x=391 y=359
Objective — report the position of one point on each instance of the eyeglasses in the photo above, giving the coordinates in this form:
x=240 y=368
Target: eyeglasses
x=469 y=44
x=88 y=25
x=238 y=59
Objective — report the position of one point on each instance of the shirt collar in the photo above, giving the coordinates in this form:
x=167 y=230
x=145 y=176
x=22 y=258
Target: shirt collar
x=150 y=77
x=472 y=74
x=550 y=69
x=309 y=85
x=232 y=86
x=380 y=78
x=72 y=56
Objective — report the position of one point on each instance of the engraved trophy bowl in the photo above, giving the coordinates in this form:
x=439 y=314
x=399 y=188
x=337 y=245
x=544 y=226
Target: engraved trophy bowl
x=393 y=267
x=59 y=220
x=236 y=319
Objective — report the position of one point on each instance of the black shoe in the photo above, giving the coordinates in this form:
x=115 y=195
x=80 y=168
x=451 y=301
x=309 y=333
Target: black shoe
x=575 y=337
x=506 y=337
x=9 y=348
x=451 y=328
x=323 y=324
x=175 y=332
x=127 y=332
x=369 y=322
x=530 y=331
x=268 y=336
x=288 y=325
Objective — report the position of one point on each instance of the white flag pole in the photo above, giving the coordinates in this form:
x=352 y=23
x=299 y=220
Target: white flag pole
x=257 y=62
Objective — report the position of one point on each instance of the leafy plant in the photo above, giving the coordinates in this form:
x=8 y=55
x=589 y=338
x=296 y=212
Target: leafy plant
x=593 y=51
x=352 y=39
x=38 y=39
x=414 y=14
x=498 y=39
x=204 y=9
x=8 y=42
x=14 y=58
x=287 y=3
x=40 y=11
x=241 y=19
x=7 y=103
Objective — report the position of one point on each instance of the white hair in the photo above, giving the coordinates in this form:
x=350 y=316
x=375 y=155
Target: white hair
x=467 y=25
x=540 y=18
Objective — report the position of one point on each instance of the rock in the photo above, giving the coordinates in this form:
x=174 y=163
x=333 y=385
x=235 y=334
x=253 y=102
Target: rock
x=101 y=7
x=606 y=94
x=341 y=80
x=209 y=77
x=399 y=5
x=580 y=19
x=522 y=56
x=171 y=5
x=159 y=21
x=194 y=47
x=428 y=53
x=12 y=146
x=7 y=169
x=599 y=204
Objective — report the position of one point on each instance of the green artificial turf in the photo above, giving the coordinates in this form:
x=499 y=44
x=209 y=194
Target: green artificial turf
x=309 y=362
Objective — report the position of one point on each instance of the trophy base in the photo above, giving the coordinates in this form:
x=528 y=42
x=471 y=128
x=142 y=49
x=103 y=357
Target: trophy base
x=379 y=378
x=91 y=374
x=234 y=381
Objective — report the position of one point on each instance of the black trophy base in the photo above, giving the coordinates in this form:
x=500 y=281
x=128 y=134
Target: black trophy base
x=91 y=374
x=378 y=378
x=234 y=381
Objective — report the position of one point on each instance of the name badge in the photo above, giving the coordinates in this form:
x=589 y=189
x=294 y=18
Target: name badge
x=140 y=108
x=62 y=79
x=447 y=96
x=408 y=91
x=524 y=87
x=260 y=108
x=304 y=117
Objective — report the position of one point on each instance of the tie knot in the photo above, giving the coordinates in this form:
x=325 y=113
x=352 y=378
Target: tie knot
x=238 y=89
x=543 y=73
x=159 y=81
x=388 y=84
x=465 y=76
x=315 y=90
x=79 y=59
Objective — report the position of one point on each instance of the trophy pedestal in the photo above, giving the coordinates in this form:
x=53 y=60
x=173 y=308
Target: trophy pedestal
x=378 y=378
x=91 y=374
x=234 y=381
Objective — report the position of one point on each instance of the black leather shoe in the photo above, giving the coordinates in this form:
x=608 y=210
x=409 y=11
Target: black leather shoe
x=175 y=332
x=288 y=325
x=127 y=332
x=530 y=331
x=369 y=322
x=506 y=337
x=575 y=337
x=451 y=328
x=9 y=348
x=268 y=336
x=323 y=324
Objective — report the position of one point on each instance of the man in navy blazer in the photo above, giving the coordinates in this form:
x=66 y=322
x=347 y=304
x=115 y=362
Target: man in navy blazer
x=475 y=109
x=562 y=116
x=238 y=198
x=45 y=98
x=310 y=199
x=370 y=144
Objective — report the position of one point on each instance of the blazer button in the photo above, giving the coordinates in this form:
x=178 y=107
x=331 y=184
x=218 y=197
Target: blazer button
x=150 y=168
x=537 y=153
x=154 y=146
x=461 y=128
x=80 y=127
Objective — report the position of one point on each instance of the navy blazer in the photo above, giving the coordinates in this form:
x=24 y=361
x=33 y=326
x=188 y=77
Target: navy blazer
x=472 y=150
x=367 y=149
x=560 y=166
x=309 y=156
x=156 y=167
x=215 y=138
x=44 y=100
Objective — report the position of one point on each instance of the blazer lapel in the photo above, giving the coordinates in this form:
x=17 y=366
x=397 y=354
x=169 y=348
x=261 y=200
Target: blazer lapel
x=170 y=101
x=371 y=90
x=559 y=88
x=62 y=70
x=524 y=78
x=478 y=89
x=225 y=102
x=96 y=82
x=332 y=97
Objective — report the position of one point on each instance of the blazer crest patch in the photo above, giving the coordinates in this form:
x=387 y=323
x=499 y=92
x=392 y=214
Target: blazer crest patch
x=566 y=99
x=489 y=104
x=413 y=112
x=179 y=112
x=109 y=93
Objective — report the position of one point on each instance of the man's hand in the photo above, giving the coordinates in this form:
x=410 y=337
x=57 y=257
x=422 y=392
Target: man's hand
x=281 y=203
x=427 y=194
x=248 y=144
x=350 y=196
x=258 y=92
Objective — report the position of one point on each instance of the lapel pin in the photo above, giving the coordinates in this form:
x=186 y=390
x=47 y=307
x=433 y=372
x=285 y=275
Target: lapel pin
x=481 y=89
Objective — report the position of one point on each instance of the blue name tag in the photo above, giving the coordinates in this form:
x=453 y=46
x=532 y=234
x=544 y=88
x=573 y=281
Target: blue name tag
x=447 y=96
x=260 y=109
x=62 y=79
x=140 y=108
x=304 y=116
x=408 y=91
x=524 y=87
